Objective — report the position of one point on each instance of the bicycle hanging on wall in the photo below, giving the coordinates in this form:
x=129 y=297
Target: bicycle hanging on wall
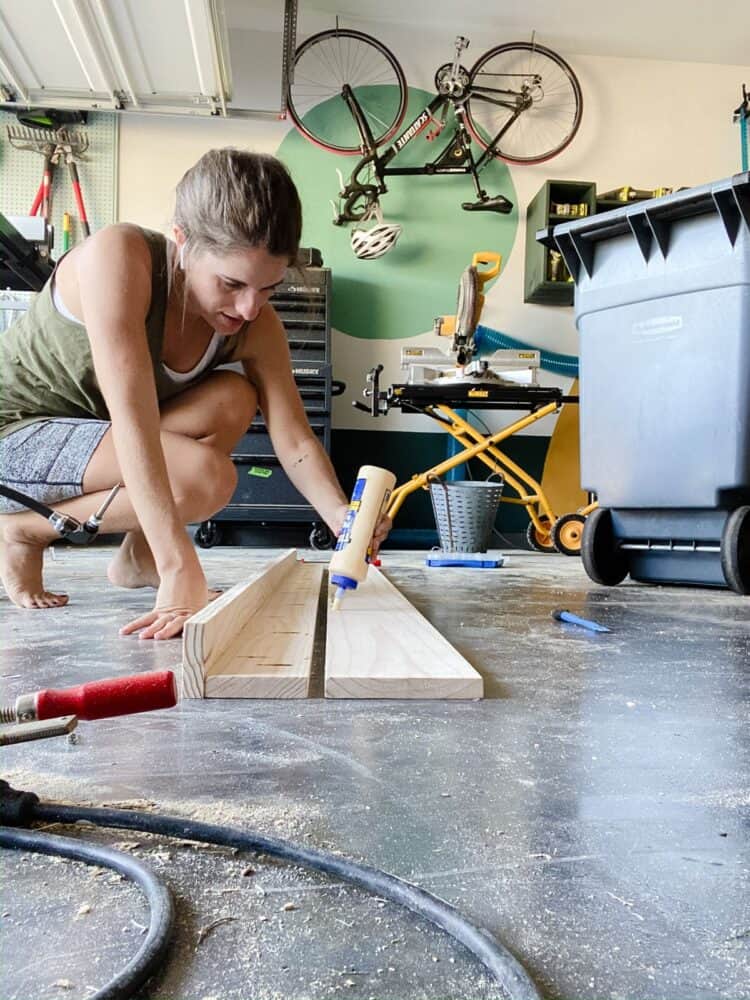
x=520 y=102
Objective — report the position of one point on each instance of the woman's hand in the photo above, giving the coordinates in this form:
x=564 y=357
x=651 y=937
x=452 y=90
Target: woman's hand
x=336 y=521
x=180 y=595
x=382 y=528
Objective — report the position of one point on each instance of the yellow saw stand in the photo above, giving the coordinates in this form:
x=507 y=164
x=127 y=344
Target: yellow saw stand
x=438 y=384
x=485 y=447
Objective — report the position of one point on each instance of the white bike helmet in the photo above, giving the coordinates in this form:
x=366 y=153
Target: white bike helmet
x=368 y=244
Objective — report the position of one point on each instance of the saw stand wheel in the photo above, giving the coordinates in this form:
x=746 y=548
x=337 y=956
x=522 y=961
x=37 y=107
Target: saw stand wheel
x=567 y=534
x=540 y=541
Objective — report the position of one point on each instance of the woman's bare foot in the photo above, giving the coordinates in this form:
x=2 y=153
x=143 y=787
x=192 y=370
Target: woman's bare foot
x=133 y=565
x=21 y=563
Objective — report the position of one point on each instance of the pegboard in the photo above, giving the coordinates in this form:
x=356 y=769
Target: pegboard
x=21 y=173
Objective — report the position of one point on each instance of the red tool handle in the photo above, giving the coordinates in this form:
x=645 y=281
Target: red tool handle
x=79 y=199
x=37 y=200
x=114 y=696
x=46 y=189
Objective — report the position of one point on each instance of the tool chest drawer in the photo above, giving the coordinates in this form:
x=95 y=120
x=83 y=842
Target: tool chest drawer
x=263 y=493
x=256 y=444
x=302 y=303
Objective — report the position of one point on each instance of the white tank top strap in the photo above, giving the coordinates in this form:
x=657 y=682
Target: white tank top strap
x=179 y=377
x=208 y=356
x=60 y=306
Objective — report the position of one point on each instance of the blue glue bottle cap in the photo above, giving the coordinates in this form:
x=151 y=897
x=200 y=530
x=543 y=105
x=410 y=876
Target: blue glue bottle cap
x=344 y=582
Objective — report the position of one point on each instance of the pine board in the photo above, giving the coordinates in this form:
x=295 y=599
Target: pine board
x=379 y=646
x=272 y=657
x=255 y=641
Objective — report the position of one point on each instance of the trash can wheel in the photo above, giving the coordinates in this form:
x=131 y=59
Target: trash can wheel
x=602 y=558
x=735 y=550
x=540 y=541
x=567 y=534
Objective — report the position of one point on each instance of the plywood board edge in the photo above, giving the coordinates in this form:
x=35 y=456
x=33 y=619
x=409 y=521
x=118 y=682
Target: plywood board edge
x=192 y=680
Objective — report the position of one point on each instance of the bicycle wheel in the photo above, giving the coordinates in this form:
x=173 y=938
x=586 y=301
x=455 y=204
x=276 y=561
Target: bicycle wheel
x=539 y=82
x=322 y=66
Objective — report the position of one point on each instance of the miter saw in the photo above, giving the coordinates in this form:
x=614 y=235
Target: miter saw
x=448 y=386
x=431 y=365
x=455 y=376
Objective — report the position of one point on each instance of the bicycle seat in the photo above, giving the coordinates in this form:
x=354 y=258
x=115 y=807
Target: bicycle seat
x=497 y=204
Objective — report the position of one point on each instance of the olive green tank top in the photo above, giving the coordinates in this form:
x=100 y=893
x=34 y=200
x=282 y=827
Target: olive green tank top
x=46 y=368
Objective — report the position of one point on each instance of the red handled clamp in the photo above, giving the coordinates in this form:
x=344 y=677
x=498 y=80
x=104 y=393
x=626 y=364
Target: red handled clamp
x=56 y=712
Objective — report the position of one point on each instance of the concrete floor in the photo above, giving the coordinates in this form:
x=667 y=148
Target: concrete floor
x=593 y=811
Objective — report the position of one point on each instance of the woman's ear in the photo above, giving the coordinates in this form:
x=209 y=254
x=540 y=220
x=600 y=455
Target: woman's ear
x=181 y=240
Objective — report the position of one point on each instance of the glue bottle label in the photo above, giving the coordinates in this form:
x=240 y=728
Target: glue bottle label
x=369 y=498
x=346 y=532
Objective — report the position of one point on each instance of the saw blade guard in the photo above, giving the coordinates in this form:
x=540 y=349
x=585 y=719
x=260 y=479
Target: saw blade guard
x=485 y=266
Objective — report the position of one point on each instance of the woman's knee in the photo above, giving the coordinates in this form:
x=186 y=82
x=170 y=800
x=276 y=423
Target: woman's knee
x=218 y=479
x=233 y=398
x=218 y=410
x=206 y=483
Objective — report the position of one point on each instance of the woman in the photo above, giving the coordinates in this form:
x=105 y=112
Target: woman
x=108 y=378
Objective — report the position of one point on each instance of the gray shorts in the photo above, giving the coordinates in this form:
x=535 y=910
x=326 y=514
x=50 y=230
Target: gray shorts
x=47 y=459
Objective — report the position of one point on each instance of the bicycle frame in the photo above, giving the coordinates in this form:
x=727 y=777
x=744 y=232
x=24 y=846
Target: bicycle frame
x=455 y=158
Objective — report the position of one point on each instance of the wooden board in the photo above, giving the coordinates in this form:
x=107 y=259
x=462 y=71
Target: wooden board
x=272 y=657
x=256 y=640
x=561 y=479
x=379 y=646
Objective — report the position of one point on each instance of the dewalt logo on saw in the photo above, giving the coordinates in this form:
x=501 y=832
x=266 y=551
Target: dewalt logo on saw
x=478 y=393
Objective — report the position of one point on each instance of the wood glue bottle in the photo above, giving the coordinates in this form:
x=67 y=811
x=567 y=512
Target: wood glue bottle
x=350 y=561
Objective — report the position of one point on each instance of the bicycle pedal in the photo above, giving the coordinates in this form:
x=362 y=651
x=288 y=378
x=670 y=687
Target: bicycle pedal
x=497 y=204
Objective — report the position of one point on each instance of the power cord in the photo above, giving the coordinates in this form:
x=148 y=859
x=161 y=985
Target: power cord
x=152 y=953
x=21 y=808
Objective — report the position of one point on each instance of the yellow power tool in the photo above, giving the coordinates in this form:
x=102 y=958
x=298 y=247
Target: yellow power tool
x=469 y=305
x=430 y=365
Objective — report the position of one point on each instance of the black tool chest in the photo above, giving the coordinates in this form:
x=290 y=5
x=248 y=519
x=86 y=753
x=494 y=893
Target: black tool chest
x=264 y=494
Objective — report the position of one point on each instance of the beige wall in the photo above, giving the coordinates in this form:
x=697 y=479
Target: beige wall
x=646 y=123
x=156 y=150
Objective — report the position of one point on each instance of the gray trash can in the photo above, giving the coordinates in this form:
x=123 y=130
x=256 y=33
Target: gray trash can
x=662 y=306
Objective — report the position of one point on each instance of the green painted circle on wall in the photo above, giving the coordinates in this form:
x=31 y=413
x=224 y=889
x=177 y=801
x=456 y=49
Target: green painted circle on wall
x=399 y=295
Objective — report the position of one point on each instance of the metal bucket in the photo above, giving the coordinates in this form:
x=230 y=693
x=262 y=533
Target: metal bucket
x=465 y=513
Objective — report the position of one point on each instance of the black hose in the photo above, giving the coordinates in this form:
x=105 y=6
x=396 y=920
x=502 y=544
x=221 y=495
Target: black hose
x=151 y=954
x=36 y=505
x=498 y=961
